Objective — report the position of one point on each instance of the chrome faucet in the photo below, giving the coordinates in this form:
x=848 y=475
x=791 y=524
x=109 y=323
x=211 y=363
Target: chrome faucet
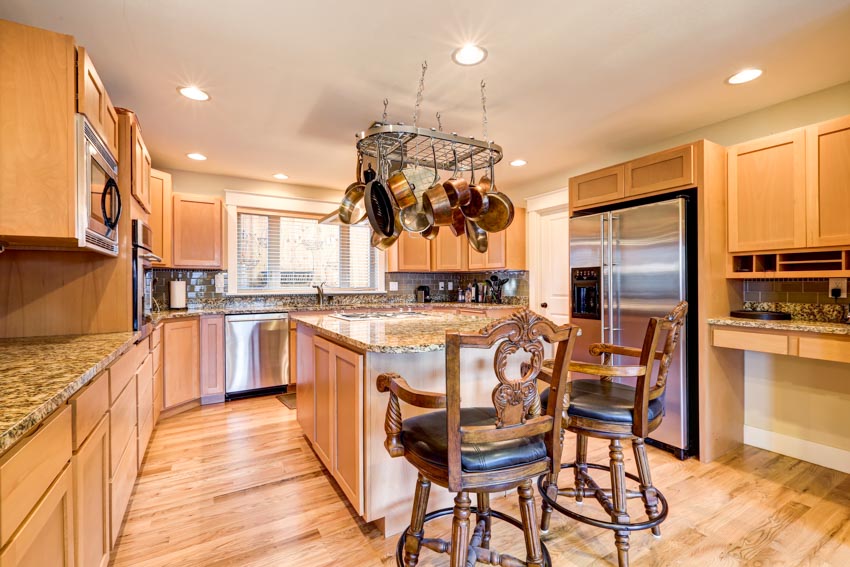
x=320 y=292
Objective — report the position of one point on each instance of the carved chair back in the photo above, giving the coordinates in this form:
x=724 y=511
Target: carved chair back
x=515 y=398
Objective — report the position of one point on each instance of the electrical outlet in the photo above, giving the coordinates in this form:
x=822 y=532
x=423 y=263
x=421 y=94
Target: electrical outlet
x=393 y=286
x=840 y=284
x=442 y=286
x=451 y=286
x=219 y=283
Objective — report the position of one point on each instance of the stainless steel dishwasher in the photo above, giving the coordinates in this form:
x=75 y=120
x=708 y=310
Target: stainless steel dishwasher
x=257 y=357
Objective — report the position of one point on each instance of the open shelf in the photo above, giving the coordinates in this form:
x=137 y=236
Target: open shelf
x=812 y=264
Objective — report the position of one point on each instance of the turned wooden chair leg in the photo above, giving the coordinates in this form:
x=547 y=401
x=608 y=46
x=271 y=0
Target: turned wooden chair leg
x=484 y=514
x=413 y=541
x=533 y=549
x=581 y=466
x=546 y=509
x=650 y=496
x=619 y=513
x=460 y=530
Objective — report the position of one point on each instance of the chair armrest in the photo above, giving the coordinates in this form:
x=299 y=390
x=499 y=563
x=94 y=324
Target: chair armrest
x=607 y=371
x=400 y=389
x=545 y=373
x=598 y=349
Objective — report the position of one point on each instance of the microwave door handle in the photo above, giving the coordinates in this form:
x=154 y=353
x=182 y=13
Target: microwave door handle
x=111 y=222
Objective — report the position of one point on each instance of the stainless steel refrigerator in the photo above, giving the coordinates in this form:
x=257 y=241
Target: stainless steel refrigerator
x=628 y=265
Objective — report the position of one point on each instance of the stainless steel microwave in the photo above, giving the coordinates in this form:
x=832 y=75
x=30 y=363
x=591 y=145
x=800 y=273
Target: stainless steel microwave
x=98 y=197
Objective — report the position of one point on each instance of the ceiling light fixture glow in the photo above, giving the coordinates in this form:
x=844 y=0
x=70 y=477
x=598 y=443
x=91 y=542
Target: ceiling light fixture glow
x=280 y=176
x=469 y=54
x=744 y=76
x=194 y=93
x=196 y=157
x=518 y=162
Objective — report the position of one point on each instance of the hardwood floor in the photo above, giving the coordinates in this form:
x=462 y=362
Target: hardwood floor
x=236 y=484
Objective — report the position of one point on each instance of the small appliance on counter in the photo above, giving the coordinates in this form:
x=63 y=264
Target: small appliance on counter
x=177 y=294
x=423 y=294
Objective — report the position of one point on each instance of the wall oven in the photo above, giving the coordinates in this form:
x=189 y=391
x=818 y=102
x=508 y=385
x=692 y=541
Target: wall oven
x=98 y=198
x=142 y=279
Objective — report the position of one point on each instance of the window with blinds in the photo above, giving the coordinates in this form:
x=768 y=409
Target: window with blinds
x=288 y=254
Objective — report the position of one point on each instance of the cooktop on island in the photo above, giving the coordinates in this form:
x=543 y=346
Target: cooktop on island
x=379 y=315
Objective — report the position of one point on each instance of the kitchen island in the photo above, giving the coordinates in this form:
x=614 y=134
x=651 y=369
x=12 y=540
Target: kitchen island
x=342 y=413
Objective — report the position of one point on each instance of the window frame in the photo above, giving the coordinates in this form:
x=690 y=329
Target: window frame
x=283 y=207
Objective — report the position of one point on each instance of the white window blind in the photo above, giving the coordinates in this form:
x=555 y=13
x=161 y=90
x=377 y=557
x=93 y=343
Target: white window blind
x=288 y=254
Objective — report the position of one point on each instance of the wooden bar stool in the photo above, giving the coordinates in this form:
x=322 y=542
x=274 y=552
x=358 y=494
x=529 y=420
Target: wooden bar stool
x=609 y=410
x=482 y=449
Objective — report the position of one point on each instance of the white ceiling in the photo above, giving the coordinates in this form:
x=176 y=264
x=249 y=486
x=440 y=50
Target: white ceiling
x=566 y=81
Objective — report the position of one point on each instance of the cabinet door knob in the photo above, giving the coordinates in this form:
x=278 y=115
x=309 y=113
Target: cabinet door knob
x=544 y=305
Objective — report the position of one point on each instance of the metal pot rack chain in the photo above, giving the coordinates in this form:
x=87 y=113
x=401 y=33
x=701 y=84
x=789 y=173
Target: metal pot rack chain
x=416 y=144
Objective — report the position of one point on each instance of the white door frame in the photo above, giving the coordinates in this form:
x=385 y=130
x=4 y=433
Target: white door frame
x=537 y=206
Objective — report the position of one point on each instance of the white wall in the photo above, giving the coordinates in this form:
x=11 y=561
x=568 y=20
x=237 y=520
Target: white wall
x=206 y=184
x=815 y=107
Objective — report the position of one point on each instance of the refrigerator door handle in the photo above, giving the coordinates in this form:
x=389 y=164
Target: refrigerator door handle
x=610 y=245
x=603 y=289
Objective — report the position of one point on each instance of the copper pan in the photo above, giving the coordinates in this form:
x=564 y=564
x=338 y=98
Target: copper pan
x=478 y=201
x=431 y=232
x=477 y=237
x=458 y=222
x=437 y=205
x=457 y=188
x=500 y=211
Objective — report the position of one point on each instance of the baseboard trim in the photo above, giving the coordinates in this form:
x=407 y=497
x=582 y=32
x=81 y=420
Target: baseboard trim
x=823 y=455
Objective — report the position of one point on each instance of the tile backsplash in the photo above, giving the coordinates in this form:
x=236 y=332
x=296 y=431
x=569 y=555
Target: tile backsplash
x=200 y=288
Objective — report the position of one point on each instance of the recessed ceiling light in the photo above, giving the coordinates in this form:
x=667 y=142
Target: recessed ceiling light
x=469 y=54
x=196 y=157
x=280 y=176
x=744 y=76
x=518 y=162
x=194 y=93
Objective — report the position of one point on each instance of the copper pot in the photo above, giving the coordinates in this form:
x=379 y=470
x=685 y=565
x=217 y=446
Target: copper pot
x=402 y=190
x=437 y=206
x=458 y=222
x=477 y=205
x=431 y=232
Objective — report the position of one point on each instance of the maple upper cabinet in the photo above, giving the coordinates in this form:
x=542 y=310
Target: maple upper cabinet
x=767 y=193
x=93 y=101
x=135 y=169
x=660 y=172
x=449 y=252
x=196 y=231
x=411 y=253
x=505 y=250
x=160 y=218
x=600 y=186
x=828 y=183
x=181 y=361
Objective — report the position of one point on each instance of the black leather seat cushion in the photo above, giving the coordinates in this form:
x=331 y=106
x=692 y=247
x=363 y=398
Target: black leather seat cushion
x=425 y=436
x=605 y=401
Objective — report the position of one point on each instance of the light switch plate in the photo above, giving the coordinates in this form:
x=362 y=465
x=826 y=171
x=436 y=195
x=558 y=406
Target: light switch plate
x=840 y=283
x=393 y=286
x=442 y=286
x=219 y=283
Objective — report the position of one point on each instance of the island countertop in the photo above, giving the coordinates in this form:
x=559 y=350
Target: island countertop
x=38 y=374
x=420 y=334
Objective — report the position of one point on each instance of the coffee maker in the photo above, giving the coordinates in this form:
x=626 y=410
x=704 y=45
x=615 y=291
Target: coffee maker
x=423 y=294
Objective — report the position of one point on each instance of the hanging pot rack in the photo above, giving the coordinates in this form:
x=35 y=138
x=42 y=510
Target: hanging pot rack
x=414 y=144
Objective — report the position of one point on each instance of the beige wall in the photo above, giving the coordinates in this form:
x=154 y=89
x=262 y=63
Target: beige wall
x=206 y=184
x=800 y=398
x=808 y=109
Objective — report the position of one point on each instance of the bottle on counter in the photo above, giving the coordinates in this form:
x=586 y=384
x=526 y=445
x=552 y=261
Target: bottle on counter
x=475 y=292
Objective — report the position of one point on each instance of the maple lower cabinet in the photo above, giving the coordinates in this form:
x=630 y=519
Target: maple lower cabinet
x=160 y=218
x=338 y=441
x=181 y=359
x=91 y=498
x=828 y=183
x=212 y=359
x=196 y=231
x=505 y=249
x=767 y=193
x=597 y=187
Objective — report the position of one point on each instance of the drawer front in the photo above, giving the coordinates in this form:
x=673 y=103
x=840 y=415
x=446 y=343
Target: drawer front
x=145 y=432
x=157 y=357
x=157 y=395
x=123 y=369
x=88 y=406
x=144 y=378
x=749 y=340
x=121 y=486
x=122 y=422
x=28 y=469
x=145 y=406
x=836 y=350
x=156 y=335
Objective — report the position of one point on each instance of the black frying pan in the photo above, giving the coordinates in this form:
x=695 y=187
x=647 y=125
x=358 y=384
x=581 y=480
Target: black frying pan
x=379 y=208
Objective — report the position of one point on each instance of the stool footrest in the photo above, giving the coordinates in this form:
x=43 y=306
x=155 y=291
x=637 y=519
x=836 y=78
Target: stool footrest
x=476 y=554
x=603 y=496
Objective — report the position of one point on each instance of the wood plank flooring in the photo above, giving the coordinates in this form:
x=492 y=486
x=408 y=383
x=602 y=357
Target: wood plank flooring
x=236 y=484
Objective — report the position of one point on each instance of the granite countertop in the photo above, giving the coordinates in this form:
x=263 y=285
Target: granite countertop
x=38 y=374
x=794 y=325
x=421 y=334
x=195 y=312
